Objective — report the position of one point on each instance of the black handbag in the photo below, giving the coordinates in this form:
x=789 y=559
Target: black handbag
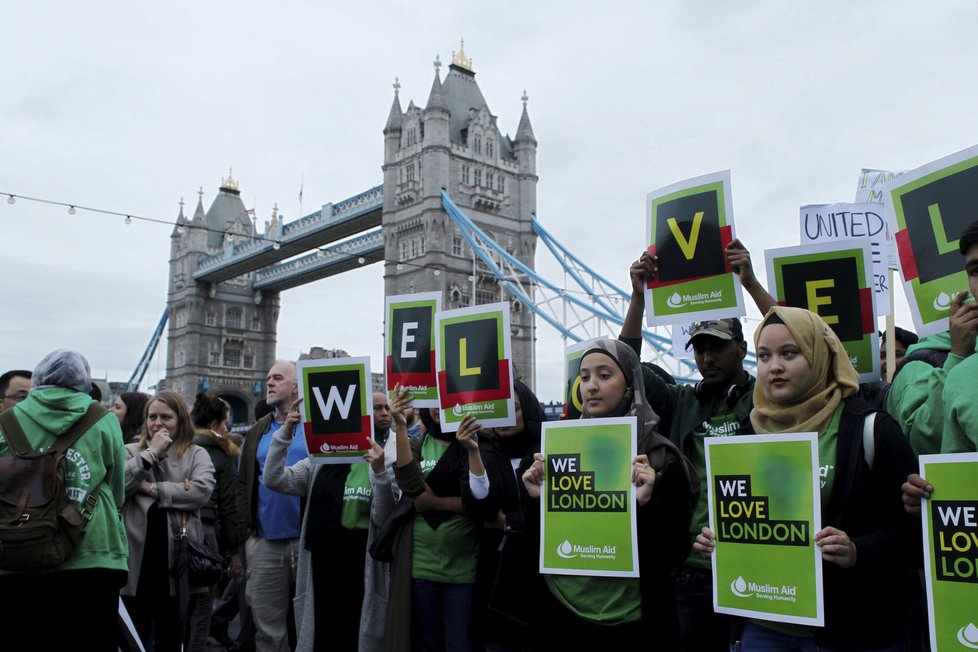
x=204 y=565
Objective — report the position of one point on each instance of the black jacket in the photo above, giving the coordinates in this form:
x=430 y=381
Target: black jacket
x=865 y=605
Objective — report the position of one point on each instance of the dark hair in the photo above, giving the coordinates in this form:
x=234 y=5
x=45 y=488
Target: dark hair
x=903 y=336
x=208 y=408
x=135 y=403
x=262 y=408
x=10 y=375
x=95 y=392
x=969 y=238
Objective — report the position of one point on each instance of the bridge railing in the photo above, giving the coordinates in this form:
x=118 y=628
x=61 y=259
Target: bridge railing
x=322 y=257
x=363 y=202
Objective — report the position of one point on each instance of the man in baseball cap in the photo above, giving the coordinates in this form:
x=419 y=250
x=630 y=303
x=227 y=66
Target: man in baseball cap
x=714 y=407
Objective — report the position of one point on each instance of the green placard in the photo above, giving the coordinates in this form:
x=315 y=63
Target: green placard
x=833 y=280
x=587 y=515
x=409 y=360
x=764 y=512
x=950 y=520
x=688 y=225
x=928 y=208
x=336 y=413
x=473 y=355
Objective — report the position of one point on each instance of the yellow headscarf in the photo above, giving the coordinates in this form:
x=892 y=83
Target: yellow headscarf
x=832 y=379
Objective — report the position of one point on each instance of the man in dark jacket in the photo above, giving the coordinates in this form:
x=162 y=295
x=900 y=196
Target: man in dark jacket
x=273 y=520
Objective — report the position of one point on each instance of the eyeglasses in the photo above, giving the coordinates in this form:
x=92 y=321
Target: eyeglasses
x=16 y=397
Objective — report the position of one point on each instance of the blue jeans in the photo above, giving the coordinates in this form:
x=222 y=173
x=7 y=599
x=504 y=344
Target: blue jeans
x=758 y=637
x=444 y=615
x=700 y=628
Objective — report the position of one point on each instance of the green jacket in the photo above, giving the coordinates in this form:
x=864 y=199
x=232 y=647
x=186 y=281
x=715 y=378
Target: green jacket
x=960 y=408
x=95 y=463
x=916 y=398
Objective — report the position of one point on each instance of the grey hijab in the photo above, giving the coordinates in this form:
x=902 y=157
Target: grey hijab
x=63 y=368
x=634 y=402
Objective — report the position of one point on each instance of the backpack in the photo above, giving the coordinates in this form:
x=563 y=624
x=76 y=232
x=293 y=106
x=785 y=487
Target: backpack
x=39 y=525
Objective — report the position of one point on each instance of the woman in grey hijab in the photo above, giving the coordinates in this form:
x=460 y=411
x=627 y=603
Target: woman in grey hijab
x=95 y=482
x=611 y=611
x=63 y=368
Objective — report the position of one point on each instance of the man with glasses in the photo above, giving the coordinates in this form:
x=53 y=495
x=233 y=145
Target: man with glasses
x=14 y=386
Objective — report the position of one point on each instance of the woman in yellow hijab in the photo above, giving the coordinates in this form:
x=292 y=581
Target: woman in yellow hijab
x=869 y=545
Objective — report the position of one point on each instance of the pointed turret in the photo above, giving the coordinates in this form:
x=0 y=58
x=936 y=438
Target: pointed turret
x=199 y=213
x=524 y=133
x=436 y=101
x=396 y=116
x=179 y=227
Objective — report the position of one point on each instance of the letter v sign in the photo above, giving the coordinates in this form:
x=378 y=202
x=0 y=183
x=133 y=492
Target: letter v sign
x=688 y=246
x=334 y=399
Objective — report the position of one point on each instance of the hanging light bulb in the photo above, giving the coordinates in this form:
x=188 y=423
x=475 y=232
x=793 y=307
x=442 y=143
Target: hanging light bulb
x=276 y=246
x=437 y=272
x=71 y=210
x=361 y=260
x=10 y=199
x=400 y=267
x=128 y=219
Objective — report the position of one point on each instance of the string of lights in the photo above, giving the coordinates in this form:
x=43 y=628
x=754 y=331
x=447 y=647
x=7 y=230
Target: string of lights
x=128 y=218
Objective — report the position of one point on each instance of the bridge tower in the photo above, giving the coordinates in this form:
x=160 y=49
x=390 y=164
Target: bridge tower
x=454 y=143
x=221 y=336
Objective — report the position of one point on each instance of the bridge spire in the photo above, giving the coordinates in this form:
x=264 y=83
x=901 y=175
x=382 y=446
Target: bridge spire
x=396 y=116
x=436 y=101
x=524 y=133
x=199 y=211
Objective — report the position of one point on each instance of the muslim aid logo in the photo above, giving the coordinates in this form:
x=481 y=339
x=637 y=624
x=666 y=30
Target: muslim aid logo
x=739 y=588
x=968 y=636
x=565 y=550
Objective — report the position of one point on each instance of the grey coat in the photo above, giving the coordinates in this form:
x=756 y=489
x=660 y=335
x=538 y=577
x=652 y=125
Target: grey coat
x=175 y=496
x=297 y=480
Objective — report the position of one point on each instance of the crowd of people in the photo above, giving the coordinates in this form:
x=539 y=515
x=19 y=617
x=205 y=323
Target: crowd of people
x=433 y=543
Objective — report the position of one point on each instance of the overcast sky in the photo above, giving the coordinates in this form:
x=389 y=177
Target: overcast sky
x=130 y=106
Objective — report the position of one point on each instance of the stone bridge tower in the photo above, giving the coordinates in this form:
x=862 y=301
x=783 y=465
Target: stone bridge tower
x=454 y=143
x=221 y=336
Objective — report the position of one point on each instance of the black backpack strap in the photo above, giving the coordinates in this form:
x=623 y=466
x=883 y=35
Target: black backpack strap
x=14 y=434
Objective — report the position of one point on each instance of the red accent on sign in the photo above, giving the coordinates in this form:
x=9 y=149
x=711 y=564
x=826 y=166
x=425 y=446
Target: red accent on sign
x=407 y=378
x=907 y=262
x=866 y=306
x=478 y=396
x=314 y=441
x=726 y=237
x=654 y=282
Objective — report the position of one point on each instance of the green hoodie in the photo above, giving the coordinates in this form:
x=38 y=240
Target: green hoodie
x=916 y=395
x=961 y=409
x=95 y=463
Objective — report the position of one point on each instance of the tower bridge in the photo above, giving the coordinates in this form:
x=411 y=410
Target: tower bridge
x=226 y=277
x=455 y=213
